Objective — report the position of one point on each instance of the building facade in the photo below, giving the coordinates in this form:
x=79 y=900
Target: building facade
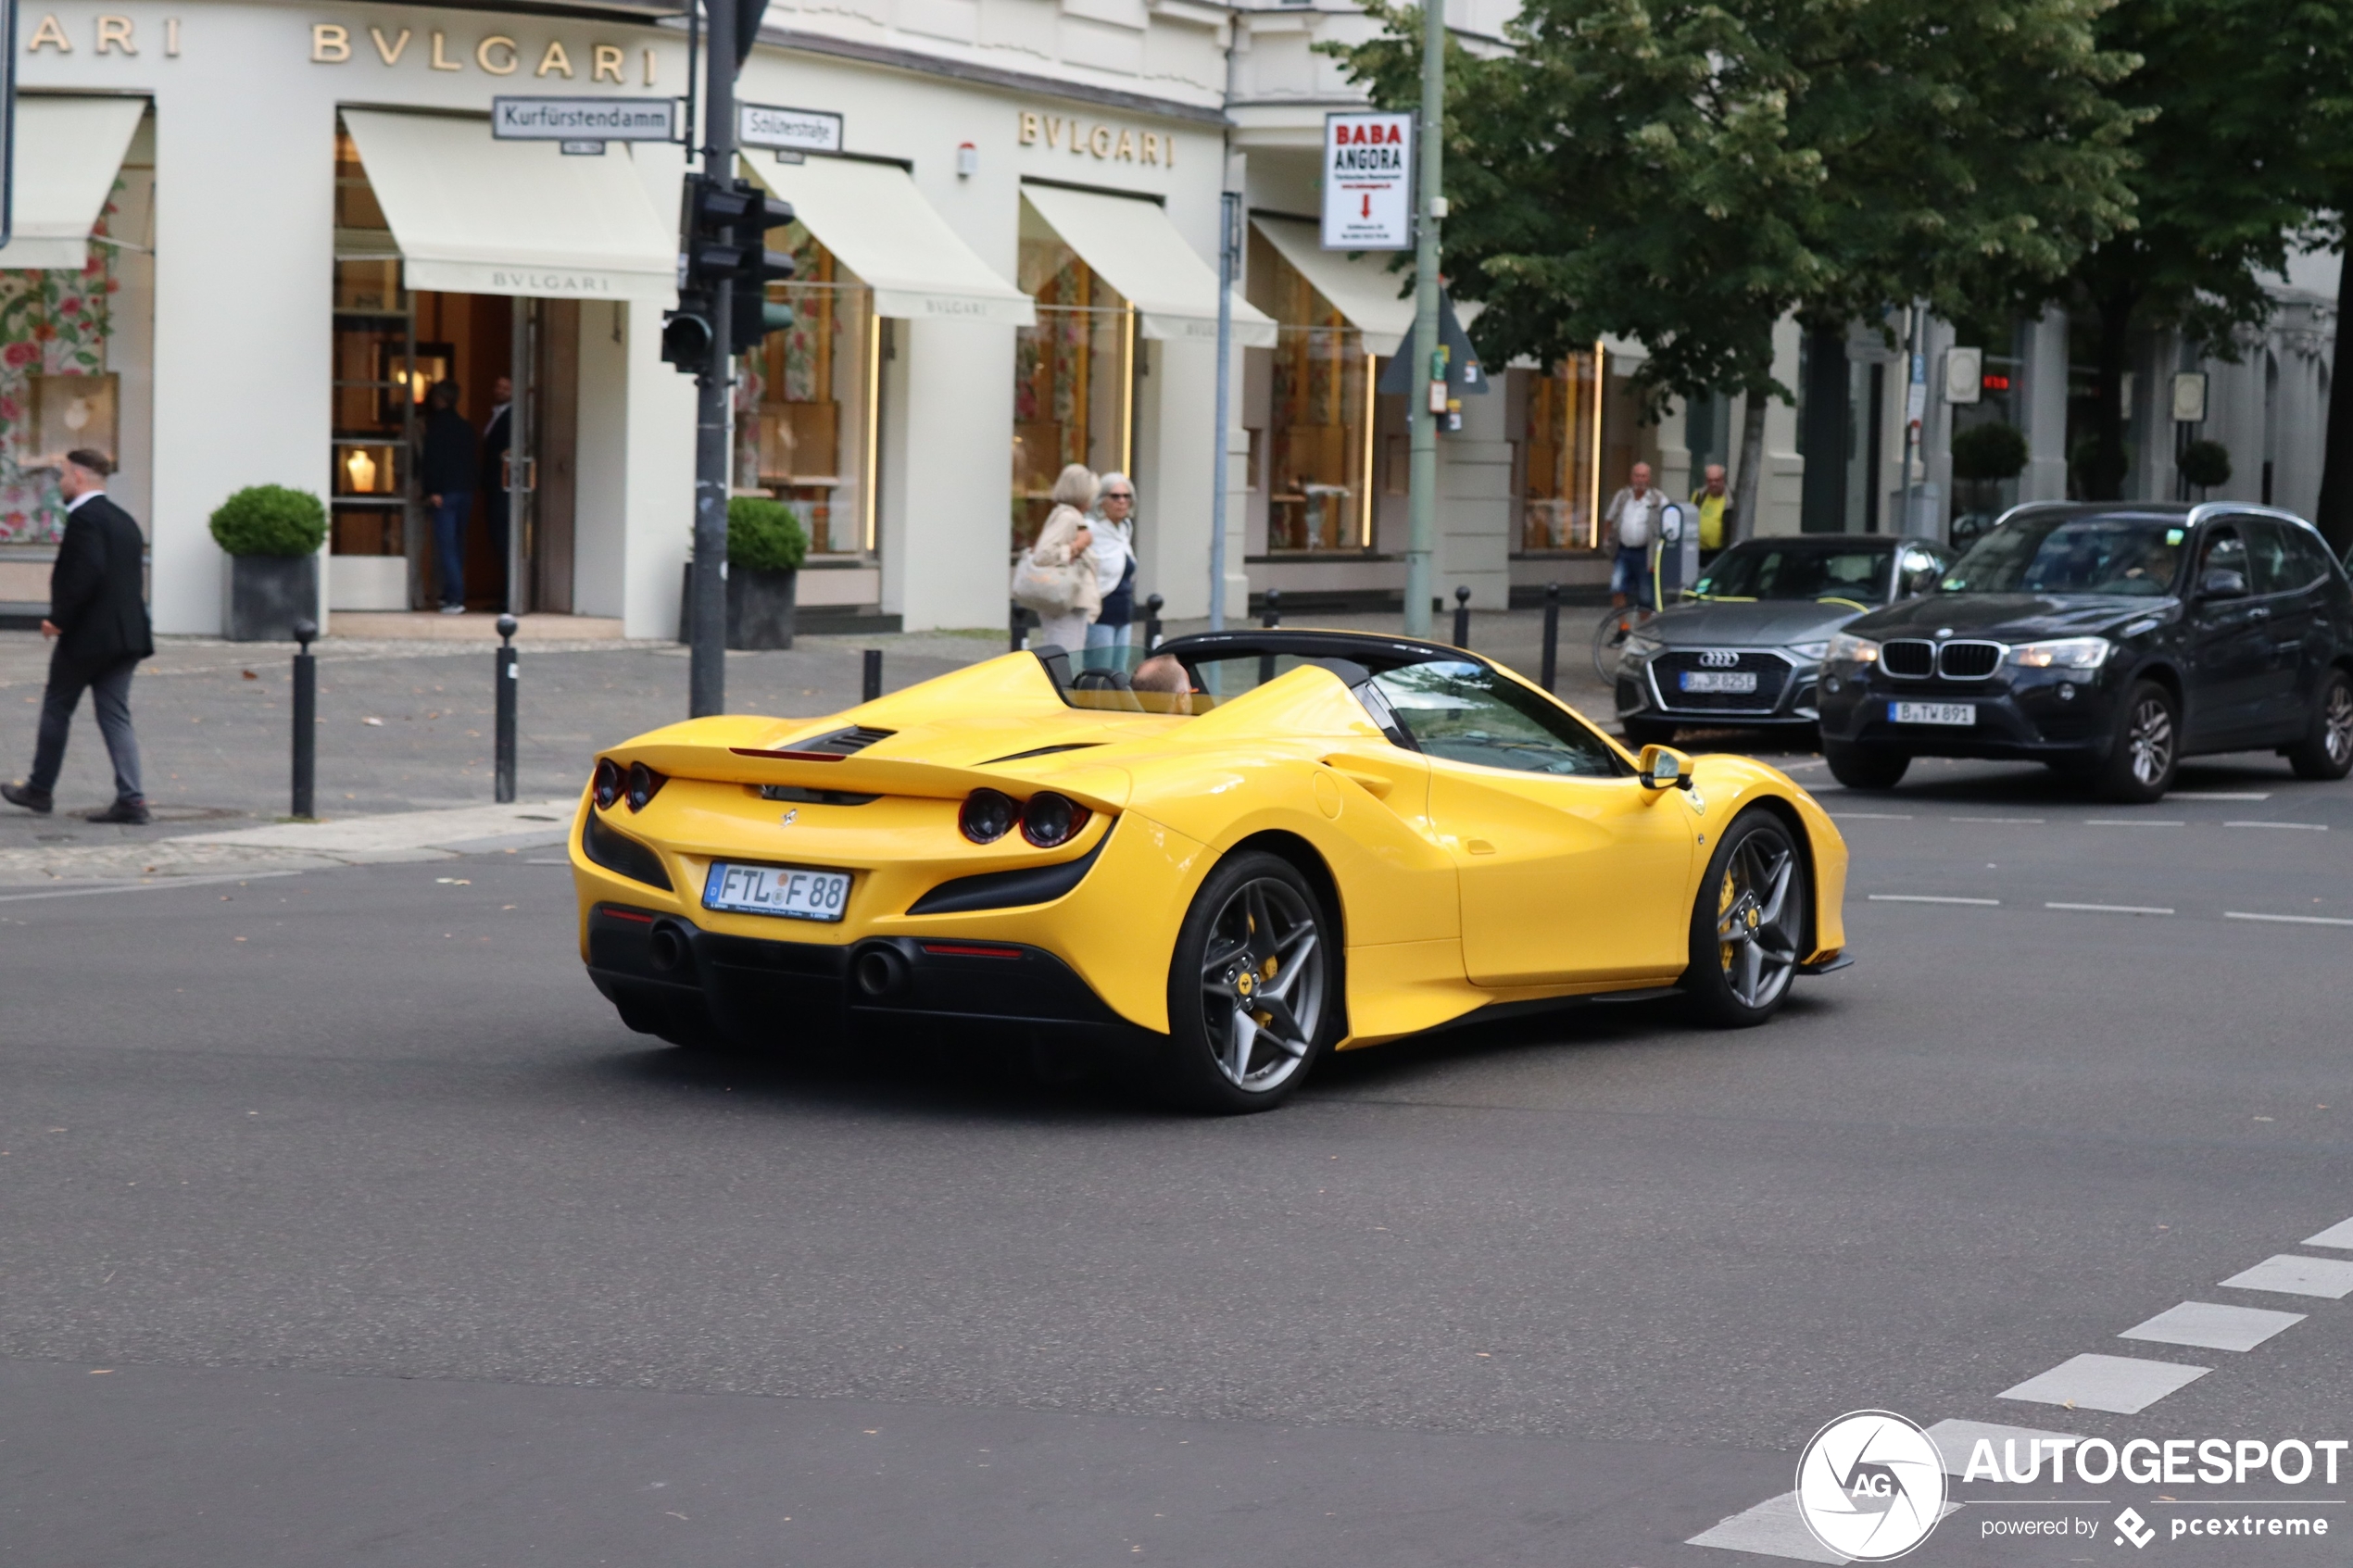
x=251 y=237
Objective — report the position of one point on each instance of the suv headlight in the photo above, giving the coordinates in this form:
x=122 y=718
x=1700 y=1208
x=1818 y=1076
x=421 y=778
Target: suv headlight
x=1641 y=650
x=1846 y=649
x=1809 y=650
x=2063 y=653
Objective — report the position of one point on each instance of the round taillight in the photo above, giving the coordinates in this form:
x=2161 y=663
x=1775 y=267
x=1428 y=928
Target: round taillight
x=607 y=783
x=988 y=815
x=643 y=784
x=1050 y=819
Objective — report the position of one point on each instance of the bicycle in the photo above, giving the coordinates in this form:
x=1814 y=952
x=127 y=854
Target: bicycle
x=1609 y=636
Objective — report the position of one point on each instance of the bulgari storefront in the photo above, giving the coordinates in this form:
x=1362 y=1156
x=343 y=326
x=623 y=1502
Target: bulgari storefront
x=249 y=239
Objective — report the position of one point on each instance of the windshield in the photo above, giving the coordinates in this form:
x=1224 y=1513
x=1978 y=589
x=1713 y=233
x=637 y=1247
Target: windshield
x=2134 y=556
x=1762 y=570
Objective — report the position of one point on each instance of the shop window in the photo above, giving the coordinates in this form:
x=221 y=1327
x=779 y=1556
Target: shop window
x=1073 y=376
x=380 y=373
x=807 y=402
x=1560 y=451
x=56 y=392
x=1319 y=466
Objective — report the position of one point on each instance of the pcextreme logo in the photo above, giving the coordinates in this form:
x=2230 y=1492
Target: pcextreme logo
x=1870 y=1486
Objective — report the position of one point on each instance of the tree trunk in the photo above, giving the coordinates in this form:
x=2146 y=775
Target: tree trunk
x=2336 y=508
x=2103 y=476
x=1748 y=490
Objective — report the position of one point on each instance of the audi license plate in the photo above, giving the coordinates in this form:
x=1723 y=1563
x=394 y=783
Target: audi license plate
x=1932 y=712
x=776 y=890
x=1716 y=681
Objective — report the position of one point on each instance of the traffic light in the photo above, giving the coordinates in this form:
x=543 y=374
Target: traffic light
x=723 y=232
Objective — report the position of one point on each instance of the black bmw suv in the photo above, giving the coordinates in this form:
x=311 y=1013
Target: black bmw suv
x=2109 y=641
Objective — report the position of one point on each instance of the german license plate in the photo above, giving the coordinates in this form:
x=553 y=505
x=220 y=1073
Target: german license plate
x=1932 y=712
x=1717 y=679
x=788 y=891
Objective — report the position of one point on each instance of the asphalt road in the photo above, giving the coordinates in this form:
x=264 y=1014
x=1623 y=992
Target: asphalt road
x=345 y=1223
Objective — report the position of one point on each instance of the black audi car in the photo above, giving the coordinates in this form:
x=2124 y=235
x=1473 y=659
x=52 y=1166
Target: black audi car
x=2109 y=641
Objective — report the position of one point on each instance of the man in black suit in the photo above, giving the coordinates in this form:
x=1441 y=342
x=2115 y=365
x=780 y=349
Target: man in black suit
x=98 y=615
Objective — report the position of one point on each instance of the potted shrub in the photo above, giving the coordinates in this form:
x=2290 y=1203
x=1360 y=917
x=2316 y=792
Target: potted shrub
x=272 y=535
x=2204 y=464
x=765 y=547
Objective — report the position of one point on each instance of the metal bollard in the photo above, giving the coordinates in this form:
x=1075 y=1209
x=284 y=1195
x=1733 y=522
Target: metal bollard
x=1014 y=647
x=873 y=674
x=306 y=721
x=1552 y=633
x=503 y=768
x=1151 y=622
x=1273 y=614
x=1462 y=618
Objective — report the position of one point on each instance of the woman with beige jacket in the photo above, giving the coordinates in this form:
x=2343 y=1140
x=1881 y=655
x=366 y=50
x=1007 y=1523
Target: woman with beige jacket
x=1060 y=552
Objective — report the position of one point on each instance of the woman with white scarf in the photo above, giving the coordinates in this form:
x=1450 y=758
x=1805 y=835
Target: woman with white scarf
x=1114 y=553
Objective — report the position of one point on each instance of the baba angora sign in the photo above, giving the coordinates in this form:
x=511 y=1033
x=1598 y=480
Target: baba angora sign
x=1369 y=181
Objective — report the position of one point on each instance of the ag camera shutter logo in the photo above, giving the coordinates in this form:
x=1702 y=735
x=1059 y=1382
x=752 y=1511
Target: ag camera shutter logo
x=1870 y=1486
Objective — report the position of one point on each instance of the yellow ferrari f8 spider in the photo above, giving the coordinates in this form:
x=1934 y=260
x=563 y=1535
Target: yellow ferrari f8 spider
x=1247 y=849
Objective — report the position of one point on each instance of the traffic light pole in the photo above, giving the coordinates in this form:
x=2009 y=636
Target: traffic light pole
x=714 y=388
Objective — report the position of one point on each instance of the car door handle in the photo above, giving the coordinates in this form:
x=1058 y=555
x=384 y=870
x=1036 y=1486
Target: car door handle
x=1378 y=785
x=2258 y=613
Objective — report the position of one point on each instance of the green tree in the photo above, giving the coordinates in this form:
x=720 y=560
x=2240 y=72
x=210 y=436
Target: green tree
x=1686 y=172
x=2227 y=172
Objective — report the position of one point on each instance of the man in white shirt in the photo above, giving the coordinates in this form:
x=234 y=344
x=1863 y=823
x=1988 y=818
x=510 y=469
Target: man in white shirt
x=1632 y=520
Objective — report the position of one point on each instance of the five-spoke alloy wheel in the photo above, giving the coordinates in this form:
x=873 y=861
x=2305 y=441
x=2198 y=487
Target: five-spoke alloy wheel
x=2148 y=747
x=1749 y=922
x=2325 y=750
x=1253 y=987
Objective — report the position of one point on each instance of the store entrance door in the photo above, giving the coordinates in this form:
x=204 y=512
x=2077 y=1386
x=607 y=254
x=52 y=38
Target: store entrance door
x=515 y=364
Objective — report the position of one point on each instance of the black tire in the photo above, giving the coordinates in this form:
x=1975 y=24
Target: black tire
x=2146 y=748
x=1866 y=766
x=1244 y=937
x=2325 y=750
x=1748 y=923
x=1639 y=732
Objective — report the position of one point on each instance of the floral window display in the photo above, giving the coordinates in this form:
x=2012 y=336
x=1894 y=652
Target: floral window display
x=1074 y=389
x=54 y=323
x=805 y=406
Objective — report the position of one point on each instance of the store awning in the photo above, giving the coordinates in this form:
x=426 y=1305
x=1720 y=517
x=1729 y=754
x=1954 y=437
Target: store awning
x=878 y=225
x=475 y=216
x=1133 y=246
x=1360 y=285
x=69 y=151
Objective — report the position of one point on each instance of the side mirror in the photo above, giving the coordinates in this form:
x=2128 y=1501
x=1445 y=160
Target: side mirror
x=2222 y=583
x=1662 y=767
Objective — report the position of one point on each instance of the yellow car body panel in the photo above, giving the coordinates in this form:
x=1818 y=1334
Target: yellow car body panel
x=1457 y=885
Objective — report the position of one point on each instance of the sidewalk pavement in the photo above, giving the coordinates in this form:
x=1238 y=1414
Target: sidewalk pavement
x=404 y=734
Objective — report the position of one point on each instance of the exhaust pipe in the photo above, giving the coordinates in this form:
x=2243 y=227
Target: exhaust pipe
x=666 y=947
x=880 y=971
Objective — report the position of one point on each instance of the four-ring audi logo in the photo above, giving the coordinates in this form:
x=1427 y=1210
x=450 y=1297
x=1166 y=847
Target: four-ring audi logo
x=1717 y=659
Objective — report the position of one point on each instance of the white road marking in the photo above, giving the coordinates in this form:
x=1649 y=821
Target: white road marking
x=1926 y=898
x=2122 y=1384
x=2134 y=822
x=2287 y=1274
x=2211 y=1326
x=2020 y=820
x=2336 y=1235
x=1956 y=1440
x=2112 y=909
x=2304 y=827
x=1770 y=1529
x=2287 y=919
x=1870 y=816
x=2217 y=795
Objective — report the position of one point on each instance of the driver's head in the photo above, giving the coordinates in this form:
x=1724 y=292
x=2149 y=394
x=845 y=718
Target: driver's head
x=1164 y=674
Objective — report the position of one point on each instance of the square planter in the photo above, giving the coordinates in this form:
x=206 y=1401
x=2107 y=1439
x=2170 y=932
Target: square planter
x=264 y=596
x=760 y=607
